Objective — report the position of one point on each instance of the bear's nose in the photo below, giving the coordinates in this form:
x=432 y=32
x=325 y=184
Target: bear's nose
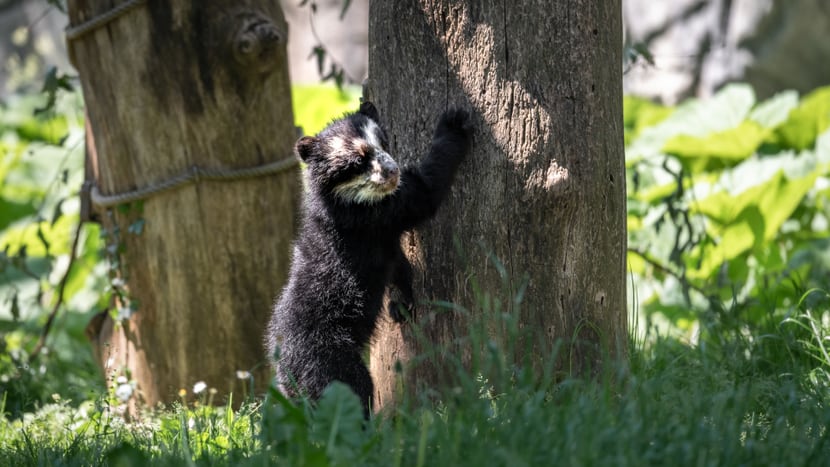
x=388 y=167
x=391 y=172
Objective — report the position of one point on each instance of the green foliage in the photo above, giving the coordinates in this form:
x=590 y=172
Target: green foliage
x=810 y=119
x=734 y=144
x=640 y=114
x=727 y=199
x=91 y=434
x=315 y=106
x=40 y=173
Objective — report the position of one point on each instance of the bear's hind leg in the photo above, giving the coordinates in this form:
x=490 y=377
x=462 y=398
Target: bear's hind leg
x=353 y=372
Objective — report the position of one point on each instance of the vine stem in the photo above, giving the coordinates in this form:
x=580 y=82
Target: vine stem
x=665 y=270
x=41 y=342
x=334 y=60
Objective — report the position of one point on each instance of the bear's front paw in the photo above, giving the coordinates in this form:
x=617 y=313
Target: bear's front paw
x=457 y=121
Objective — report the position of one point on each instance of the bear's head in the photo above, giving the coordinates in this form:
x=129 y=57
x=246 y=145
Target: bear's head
x=349 y=159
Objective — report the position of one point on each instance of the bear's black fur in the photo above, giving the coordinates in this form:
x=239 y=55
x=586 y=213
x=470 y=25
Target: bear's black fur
x=356 y=207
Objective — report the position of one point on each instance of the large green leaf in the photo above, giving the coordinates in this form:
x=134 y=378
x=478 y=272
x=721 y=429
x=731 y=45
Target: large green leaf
x=640 y=113
x=12 y=211
x=775 y=110
x=338 y=424
x=806 y=121
x=726 y=110
x=734 y=144
x=823 y=147
x=760 y=169
x=19 y=117
x=739 y=223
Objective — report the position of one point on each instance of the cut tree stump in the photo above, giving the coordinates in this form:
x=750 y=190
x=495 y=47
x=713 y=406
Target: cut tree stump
x=172 y=86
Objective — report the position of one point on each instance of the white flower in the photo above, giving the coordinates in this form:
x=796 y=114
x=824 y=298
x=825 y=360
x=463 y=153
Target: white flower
x=199 y=387
x=242 y=374
x=123 y=392
x=121 y=380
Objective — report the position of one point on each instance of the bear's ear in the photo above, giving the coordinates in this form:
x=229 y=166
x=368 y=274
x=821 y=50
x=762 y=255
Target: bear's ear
x=368 y=109
x=304 y=148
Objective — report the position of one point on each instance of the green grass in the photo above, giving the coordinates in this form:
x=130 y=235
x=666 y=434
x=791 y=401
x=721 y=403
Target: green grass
x=740 y=396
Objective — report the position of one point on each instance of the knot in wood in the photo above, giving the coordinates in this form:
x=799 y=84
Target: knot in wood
x=255 y=41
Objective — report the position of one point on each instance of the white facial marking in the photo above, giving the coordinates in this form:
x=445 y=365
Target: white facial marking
x=360 y=190
x=377 y=172
x=338 y=146
x=380 y=181
x=370 y=132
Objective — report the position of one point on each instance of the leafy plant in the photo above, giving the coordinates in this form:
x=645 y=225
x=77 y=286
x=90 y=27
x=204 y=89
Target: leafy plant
x=727 y=200
x=41 y=171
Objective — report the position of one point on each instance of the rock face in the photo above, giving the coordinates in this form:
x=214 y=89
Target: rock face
x=699 y=45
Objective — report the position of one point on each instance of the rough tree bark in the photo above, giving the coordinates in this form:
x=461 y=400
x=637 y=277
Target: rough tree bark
x=543 y=191
x=170 y=85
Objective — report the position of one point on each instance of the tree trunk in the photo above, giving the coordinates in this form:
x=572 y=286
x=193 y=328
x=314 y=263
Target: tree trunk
x=169 y=86
x=536 y=220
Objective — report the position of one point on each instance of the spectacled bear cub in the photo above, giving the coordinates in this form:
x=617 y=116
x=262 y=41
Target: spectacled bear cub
x=358 y=203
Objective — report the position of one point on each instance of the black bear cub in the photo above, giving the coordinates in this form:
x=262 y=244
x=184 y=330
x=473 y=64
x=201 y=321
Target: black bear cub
x=357 y=204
